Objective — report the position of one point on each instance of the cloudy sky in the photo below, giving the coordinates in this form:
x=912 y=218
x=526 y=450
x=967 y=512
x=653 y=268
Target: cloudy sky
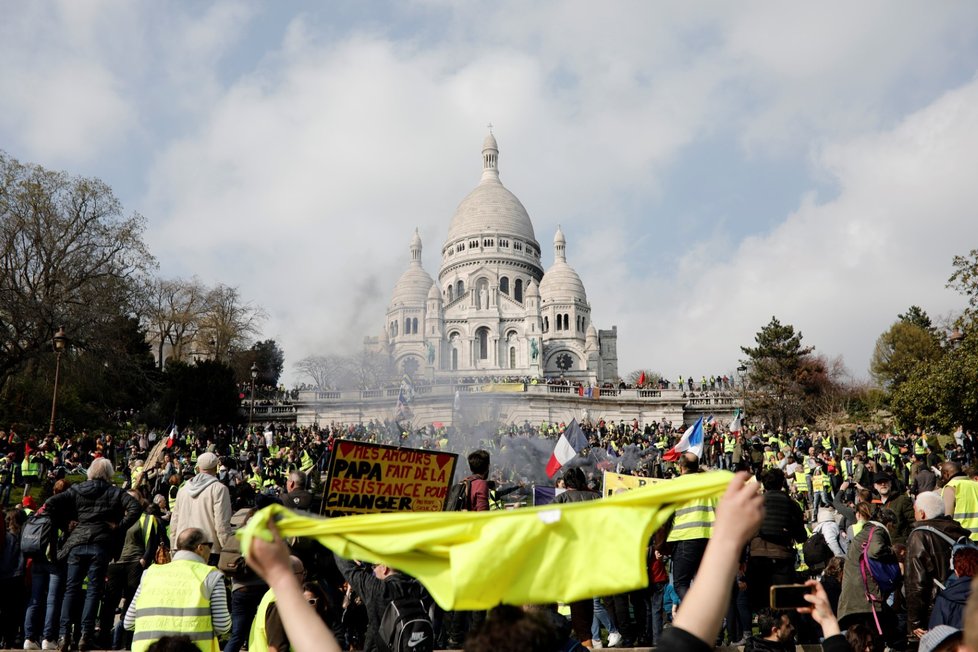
x=711 y=164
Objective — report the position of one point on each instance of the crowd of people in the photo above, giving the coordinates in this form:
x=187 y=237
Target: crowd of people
x=879 y=525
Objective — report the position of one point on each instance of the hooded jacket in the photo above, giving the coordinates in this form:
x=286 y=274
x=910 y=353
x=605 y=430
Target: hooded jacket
x=949 y=604
x=203 y=503
x=928 y=559
x=103 y=512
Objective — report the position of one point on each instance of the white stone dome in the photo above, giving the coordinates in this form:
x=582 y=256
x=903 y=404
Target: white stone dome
x=490 y=208
x=413 y=286
x=561 y=282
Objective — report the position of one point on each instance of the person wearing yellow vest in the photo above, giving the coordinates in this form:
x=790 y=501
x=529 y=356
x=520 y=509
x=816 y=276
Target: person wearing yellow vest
x=183 y=598
x=267 y=633
x=692 y=527
x=960 y=494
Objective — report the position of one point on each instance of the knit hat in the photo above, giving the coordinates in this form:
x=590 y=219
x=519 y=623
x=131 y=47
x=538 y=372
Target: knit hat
x=935 y=637
x=207 y=462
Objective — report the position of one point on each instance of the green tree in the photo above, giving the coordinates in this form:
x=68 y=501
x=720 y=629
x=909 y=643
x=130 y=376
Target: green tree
x=775 y=370
x=203 y=393
x=267 y=356
x=918 y=317
x=941 y=393
x=904 y=346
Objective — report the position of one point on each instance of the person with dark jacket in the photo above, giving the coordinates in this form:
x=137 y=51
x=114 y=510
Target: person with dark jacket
x=950 y=603
x=772 y=551
x=378 y=587
x=104 y=513
x=928 y=558
x=897 y=502
x=582 y=611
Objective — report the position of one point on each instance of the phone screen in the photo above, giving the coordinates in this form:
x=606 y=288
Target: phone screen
x=789 y=596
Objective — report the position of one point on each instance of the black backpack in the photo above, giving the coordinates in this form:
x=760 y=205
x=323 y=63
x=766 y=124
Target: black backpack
x=37 y=537
x=816 y=551
x=458 y=497
x=406 y=626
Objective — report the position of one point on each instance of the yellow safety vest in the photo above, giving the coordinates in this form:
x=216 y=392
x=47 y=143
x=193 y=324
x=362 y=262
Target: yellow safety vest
x=694 y=520
x=258 y=637
x=801 y=482
x=173 y=602
x=966 y=504
x=29 y=468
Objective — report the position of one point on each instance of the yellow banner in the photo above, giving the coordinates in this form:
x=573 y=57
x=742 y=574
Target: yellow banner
x=364 y=478
x=615 y=482
x=503 y=387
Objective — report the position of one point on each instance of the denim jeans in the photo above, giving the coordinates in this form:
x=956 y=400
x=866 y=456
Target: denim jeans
x=686 y=557
x=85 y=561
x=657 y=591
x=244 y=606
x=601 y=619
x=44 y=607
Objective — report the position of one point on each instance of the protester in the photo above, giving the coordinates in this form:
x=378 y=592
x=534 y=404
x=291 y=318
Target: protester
x=738 y=516
x=204 y=503
x=379 y=587
x=928 y=558
x=582 y=611
x=184 y=597
x=267 y=632
x=691 y=531
x=103 y=513
x=949 y=604
x=960 y=495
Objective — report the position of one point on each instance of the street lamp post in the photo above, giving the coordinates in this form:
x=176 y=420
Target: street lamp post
x=251 y=406
x=742 y=369
x=60 y=341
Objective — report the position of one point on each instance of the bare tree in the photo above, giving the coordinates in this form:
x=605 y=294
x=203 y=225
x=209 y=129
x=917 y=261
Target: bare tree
x=325 y=371
x=229 y=323
x=68 y=257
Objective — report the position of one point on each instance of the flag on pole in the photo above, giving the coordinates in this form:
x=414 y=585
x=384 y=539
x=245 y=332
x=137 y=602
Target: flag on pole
x=690 y=442
x=641 y=379
x=735 y=425
x=571 y=441
x=172 y=436
x=404 y=397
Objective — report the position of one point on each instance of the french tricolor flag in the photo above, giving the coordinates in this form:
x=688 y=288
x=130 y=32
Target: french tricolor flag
x=691 y=442
x=571 y=441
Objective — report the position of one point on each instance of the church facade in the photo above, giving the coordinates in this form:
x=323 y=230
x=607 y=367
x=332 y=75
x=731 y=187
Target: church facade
x=494 y=310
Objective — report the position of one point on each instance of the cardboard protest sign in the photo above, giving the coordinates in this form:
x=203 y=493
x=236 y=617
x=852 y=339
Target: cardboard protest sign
x=613 y=482
x=363 y=478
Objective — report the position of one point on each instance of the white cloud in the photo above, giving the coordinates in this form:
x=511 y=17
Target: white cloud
x=299 y=171
x=839 y=271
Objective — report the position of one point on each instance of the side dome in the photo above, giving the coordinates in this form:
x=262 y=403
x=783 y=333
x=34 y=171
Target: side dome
x=490 y=207
x=413 y=286
x=561 y=282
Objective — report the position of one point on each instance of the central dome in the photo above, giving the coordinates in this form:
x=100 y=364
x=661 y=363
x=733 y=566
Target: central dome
x=490 y=207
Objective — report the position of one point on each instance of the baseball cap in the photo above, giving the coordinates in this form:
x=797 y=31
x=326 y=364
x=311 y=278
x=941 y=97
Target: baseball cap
x=207 y=462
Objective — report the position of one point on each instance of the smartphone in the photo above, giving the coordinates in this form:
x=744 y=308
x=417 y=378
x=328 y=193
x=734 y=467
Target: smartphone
x=789 y=596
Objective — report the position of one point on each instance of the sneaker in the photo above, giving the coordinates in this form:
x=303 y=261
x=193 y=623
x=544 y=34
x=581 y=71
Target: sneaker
x=30 y=645
x=596 y=644
x=614 y=639
x=64 y=644
x=86 y=643
x=49 y=645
